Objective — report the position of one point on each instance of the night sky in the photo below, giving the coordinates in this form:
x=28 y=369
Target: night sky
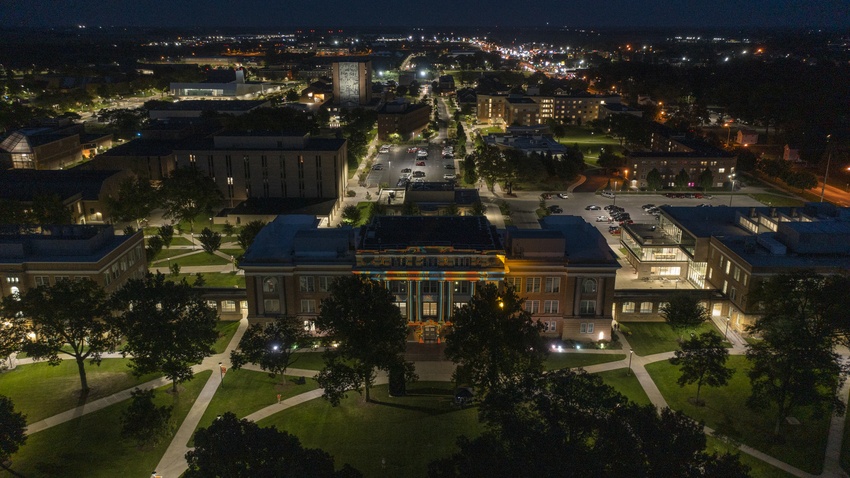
x=340 y=13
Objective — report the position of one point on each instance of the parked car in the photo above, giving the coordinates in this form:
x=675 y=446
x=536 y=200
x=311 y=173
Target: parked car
x=615 y=230
x=647 y=207
x=412 y=150
x=384 y=149
x=420 y=163
x=592 y=207
x=547 y=195
x=449 y=166
x=563 y=195
x=418 y=174
x=555 y=209
x=418 y=180
x=449 y=176
x=601 y=218
x=378 y=167
x=406 y=170
x=402 y=182
x=422 y=153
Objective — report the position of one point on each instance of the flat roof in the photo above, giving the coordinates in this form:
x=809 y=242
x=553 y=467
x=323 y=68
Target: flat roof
x=748 y=248
x=707 y=221
x=311 y=144
x=399 y=232
x=143 y=147
x=584 y=242
x=27 y=184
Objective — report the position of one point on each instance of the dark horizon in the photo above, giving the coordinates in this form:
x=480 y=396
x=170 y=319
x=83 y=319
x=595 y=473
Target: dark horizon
x=606 y=14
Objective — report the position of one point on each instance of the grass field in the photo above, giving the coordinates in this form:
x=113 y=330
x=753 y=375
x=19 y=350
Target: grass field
x=197 y=259
x=226 y=329
x=648 y=338
x=726 y=411
x=408 y=432
x=758 y=468
x=309 y=361
x=777 y=200
x=625 y=383
x=168 y=253
x=557 y=361
x=590 y=143
x=245 y=391
x=40 y=390
x=91 y=445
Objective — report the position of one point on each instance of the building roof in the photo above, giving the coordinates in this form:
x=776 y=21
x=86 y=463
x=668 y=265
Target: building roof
x=26 y=184
x=706 y=221
x=584 y=242
x=210 y=105
x=311 y=144
x=143 y=147
x=296 y=237
x=399 y=232
x=69 y=243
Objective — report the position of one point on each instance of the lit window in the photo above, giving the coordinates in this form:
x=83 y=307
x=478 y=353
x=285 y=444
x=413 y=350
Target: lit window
x=307 y=284
x=228 y=306
x=532 y=284
x=308 y=306
x=515 y=282
x=646 y=307
x=588 y=286
x=270 y=284
x=628 y=307
x=271 y=305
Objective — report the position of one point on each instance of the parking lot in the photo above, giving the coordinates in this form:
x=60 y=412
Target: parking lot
x=632 y=203
x=388 y=166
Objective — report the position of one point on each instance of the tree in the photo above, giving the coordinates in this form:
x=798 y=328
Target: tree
x=706 y=179
x=802 y=180
x=610 y=160
x=166 y=234
x=478 y=209
x=361 y=314
x=187 y=193
x=795 y=364
x=68 y=318
x=682 y=179
x=167 y=326
x=494 y=339
x=228 y=229
x=569 y=423
x=153 y=248
x=654 y=180
x=210 y=240
x=143 y=421
x=272 y=345
x=351 y=214
x=13 y=329
x=199 y=280
x=174 y=269
x=236 y=448
x=702 y=360
x=49 y=209
x=249 y=232
x=683 y=312
x=135 y=201
x=13 y=435
x=292 y=95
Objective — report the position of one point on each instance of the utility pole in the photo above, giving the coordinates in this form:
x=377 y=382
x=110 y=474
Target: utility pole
x=826 y=173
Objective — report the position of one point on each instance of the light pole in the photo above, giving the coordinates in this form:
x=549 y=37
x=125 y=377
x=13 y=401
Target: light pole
x=826 y=173
x=631 y=352
x=727 y=328
x=731 y=188
x=728 y=133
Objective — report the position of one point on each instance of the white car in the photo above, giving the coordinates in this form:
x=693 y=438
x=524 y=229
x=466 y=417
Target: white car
x=563 y=196
x=422 y=153
x=449 y=176
x=384 y=149
x=601 y=218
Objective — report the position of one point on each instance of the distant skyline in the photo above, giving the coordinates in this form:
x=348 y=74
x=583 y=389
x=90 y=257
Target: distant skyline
x=345 y=13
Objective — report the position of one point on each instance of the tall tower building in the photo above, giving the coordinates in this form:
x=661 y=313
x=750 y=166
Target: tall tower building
x=352 y=81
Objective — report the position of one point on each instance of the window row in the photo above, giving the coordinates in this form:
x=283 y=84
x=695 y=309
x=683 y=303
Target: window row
x=645 y=307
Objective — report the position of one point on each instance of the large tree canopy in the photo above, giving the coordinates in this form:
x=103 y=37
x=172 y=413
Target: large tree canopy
x=361 y=314
x=167 y=326
x=494 y=339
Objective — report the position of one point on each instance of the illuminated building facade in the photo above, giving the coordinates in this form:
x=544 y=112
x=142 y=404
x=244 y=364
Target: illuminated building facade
x=433 y=264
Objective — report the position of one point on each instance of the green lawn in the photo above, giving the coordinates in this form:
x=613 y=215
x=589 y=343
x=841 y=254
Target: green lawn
x=245 y=391
x=168 y=253
x=648 y=338
x=625 y=383
x=225 y=329
x=758 y=468
x=577 y=359
x=91 y=445
x=801 y=446
x=233 y=252
x=40 y=390
x=198 y=259
x=364 y=207
x=181 y=241
x=309 y=361
x=217 y=279
x=776 y=200
x=408 y=432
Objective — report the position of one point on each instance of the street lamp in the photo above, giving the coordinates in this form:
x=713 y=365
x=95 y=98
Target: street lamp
x=727 y=328
x=728 y=133
x=826 y=173
x=631 y=352
x=731 y=188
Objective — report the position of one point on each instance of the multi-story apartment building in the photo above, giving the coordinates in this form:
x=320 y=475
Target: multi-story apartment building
x=722 y=253
x=565 y=271
x=352 y=81
x=35 y=257
x=527 y=110
x=269 y=165
x=402 y=118
x=672 y=151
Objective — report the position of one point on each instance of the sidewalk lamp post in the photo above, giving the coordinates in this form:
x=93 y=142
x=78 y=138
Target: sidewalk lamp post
x=731 y=188
x=631 y=352
x=728 y=133
x=826 y=173
x=725 y=332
